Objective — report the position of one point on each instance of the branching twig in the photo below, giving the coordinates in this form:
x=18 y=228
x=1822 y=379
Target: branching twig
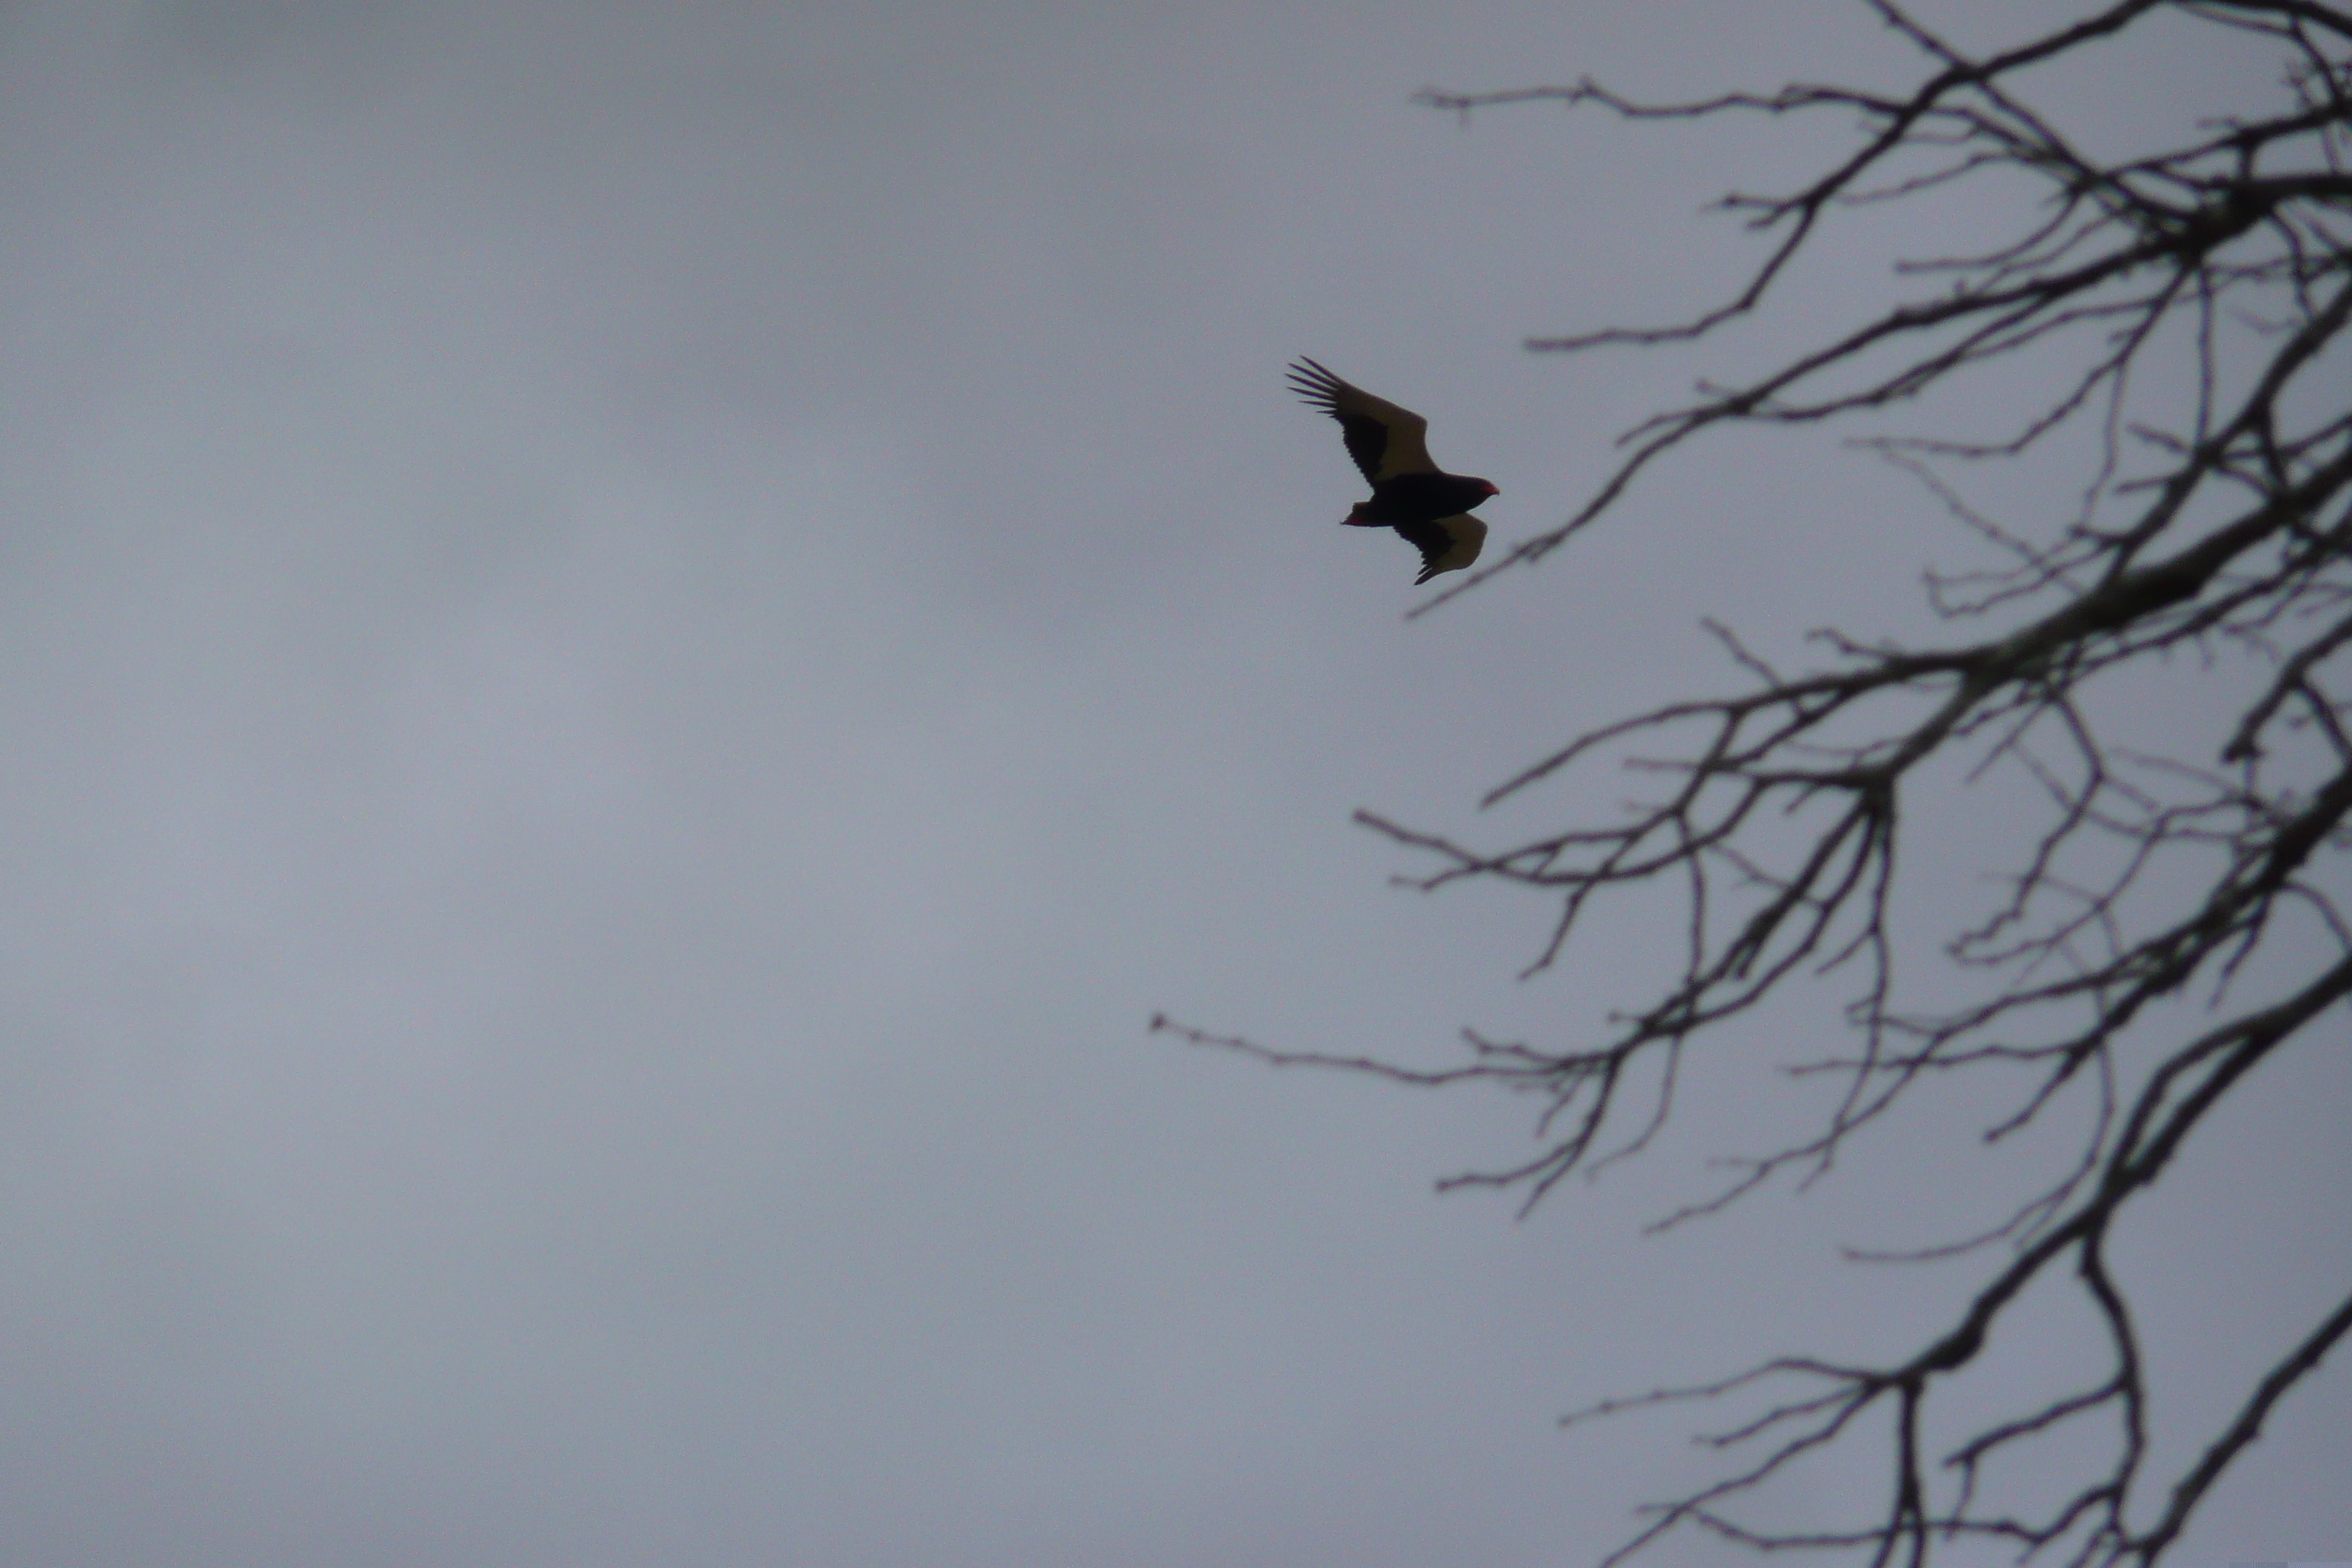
x=2213 y=533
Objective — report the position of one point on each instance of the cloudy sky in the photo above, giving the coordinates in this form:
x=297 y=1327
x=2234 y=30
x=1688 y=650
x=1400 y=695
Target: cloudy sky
x=636 y=641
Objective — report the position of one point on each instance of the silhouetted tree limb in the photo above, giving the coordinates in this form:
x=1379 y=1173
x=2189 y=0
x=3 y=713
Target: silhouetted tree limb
x=2199 y=291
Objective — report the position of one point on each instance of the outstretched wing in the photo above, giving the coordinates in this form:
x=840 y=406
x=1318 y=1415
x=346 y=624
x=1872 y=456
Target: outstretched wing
x=1448 y=544
x=1385 y=440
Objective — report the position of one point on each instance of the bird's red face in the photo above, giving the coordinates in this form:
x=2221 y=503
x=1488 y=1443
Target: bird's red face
x=1491 y=487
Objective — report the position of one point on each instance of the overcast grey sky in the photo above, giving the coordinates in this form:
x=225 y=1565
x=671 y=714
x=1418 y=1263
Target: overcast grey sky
x=636 y=640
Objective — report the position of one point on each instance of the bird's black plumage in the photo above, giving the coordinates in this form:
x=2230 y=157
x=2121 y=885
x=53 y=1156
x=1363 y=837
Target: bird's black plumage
x=1431 y=509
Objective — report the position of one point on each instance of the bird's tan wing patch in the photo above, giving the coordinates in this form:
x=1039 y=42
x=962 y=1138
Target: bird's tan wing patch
x=1384 y=439
x=1448 y=544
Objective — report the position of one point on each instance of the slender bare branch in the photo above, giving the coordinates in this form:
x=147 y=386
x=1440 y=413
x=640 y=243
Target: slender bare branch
x=2146 y=947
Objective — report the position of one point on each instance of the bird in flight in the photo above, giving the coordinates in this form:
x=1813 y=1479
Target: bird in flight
x=1431 y=509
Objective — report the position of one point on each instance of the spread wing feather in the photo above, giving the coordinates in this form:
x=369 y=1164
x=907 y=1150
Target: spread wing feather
x=1447 y=544
x=1385 y=440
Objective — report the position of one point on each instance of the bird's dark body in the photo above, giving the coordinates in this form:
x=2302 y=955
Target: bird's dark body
x=1406 y=500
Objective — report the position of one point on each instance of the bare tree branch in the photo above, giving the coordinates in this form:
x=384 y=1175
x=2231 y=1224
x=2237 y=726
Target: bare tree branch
x=2119 y=968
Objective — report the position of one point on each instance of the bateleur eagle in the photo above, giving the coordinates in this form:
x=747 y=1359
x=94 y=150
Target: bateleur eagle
x=1431 y=509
